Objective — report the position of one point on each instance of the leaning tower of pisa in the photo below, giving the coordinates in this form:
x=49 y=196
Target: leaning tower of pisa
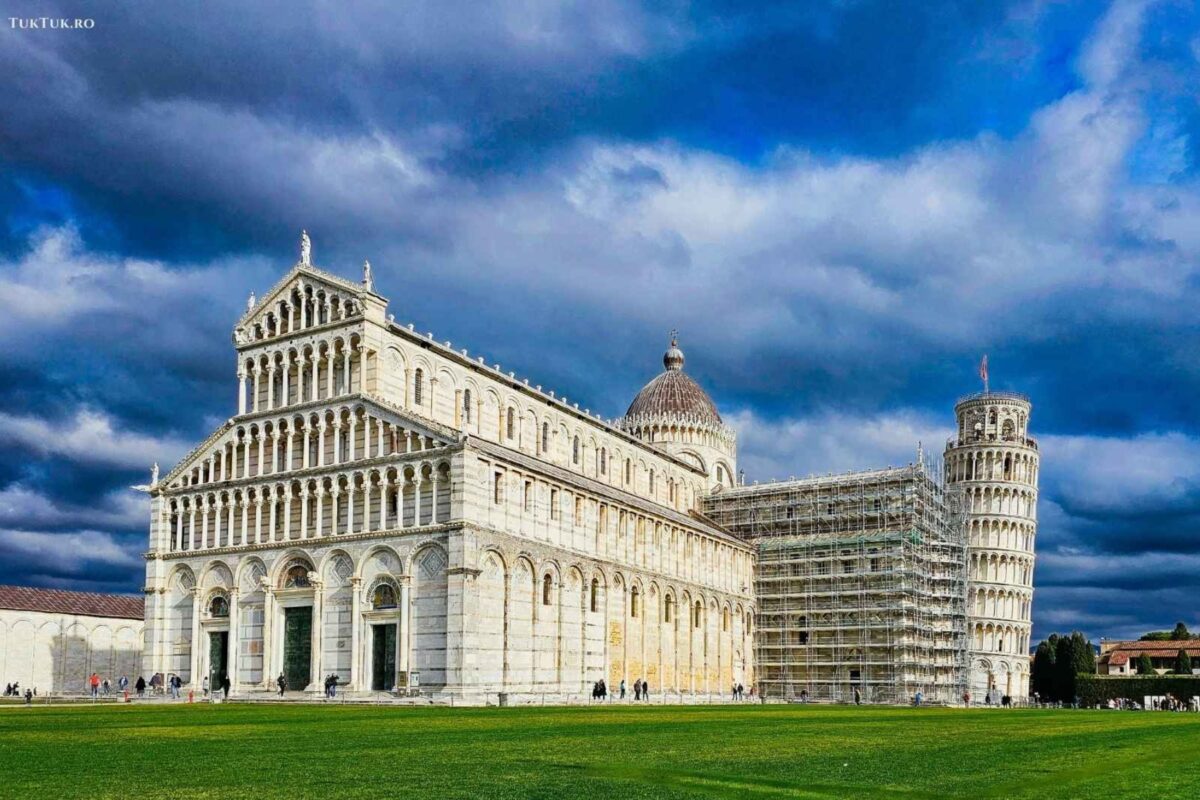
x=994 y=462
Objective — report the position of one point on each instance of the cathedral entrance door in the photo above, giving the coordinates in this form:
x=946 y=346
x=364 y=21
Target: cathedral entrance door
x=297 y=646
x=218 y=658
x=383 y=657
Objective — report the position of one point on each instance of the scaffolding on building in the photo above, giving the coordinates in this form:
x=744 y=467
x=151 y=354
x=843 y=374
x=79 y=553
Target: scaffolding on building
x=861 y=584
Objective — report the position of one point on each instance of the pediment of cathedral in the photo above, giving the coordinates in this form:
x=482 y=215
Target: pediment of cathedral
x=207 y=460
x=305 y=297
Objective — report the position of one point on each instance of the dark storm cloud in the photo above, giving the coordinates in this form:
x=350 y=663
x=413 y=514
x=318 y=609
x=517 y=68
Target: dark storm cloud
x=840 y=205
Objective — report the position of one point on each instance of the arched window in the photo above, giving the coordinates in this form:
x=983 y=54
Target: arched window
x=628 y=471
x=219 y=607
x=545 y=437
x=603 y=461
x=634 y=598
x=466 y=408
x=725 y=620
x=384 y=597
x=510 y=423
x=669 y=609
x=651 y=481
x=297 y=578
x=594 y=605
x=547 y=585
x=418 y=383
x=575 y=450
x=698 y=611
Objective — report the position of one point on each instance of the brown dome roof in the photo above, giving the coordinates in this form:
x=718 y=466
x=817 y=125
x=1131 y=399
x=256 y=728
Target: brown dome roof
x=673 y=393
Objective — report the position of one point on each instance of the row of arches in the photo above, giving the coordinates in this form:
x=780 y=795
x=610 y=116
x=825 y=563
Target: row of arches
x=991 y=422
x=56 y=654
x=992 y=464
x=996 y=500
x=395 y=497
x=345 y=591
x=305 y=305
x=1001 y=568
x=990 y=637
x=317 y=368
x=1002 y=534
x=999 y=604
x=302 y=441
x=549 y=626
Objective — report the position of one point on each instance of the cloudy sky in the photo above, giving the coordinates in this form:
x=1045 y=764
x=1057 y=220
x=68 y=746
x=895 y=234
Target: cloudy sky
x=840 y=205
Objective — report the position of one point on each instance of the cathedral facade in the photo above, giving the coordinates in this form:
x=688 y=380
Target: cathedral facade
x=390 y=510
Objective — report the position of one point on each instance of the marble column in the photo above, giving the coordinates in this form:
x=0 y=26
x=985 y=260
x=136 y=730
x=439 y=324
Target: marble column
x=235 y=639
x=197 y=645
x=355 y=625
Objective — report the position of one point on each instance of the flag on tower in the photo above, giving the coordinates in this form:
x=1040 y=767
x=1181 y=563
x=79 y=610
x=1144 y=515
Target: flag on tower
x=983 y=373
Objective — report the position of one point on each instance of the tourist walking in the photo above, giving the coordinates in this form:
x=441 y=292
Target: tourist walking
x=122 y=683
x=645 y=690
x=857 y=697
x=281 y=681
x=637 y=689
x=204 y=686
x=622 y=688
x=140 y=686
x=225 y=685
x=94 y=681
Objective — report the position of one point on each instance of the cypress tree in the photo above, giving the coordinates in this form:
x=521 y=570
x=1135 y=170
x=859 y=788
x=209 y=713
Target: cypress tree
x=1145 y=666
x=1181 y=632
x=1083 y=662
x=1183 y=663
x=1041 y=676
x=1064 y=659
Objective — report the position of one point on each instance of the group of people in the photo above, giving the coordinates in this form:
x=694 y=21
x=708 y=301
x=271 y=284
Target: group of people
x=102 y=686
x=641 y=690
x=14 y=690
x=331 y=682
x=739 y=692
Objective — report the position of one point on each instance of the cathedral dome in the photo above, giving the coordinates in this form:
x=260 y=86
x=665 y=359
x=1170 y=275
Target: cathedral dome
x=673 y=393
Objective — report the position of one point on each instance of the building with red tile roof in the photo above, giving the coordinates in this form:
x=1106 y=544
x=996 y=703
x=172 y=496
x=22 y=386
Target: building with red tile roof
x=1120 y=657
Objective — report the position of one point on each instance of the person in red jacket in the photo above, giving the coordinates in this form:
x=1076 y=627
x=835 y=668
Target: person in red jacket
x=95 y=683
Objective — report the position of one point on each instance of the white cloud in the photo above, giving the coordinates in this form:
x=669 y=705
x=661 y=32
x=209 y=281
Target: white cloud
x=22 y=507
x=67 y=550
x=89 y=437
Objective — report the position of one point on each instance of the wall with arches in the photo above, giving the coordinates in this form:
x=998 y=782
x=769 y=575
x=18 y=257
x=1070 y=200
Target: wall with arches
x=56 y=653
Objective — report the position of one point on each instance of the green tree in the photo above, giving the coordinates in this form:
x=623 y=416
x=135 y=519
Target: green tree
x=1041 y=677
x=1156 y=636
x=1183 y=663
x=1145 y=666
x=1180 y=632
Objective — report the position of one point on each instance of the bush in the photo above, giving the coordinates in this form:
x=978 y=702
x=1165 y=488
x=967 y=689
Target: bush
x=1095 y=689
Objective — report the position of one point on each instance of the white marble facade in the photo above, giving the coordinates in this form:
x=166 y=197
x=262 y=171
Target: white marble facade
x=438 y=520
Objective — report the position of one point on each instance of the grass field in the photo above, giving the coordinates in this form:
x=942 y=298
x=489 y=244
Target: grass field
x=294 y=751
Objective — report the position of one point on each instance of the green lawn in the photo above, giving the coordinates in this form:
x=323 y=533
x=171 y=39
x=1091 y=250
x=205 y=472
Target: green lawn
x=292 y=751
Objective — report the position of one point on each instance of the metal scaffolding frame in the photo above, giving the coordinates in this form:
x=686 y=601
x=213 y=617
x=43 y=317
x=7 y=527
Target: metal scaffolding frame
x=861 y=584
